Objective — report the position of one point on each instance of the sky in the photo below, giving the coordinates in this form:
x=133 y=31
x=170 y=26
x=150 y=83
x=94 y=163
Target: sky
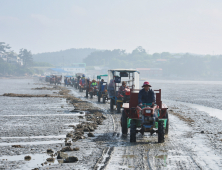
x=176 y=26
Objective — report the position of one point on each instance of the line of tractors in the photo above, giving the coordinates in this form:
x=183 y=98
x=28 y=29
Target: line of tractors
x=140 y=119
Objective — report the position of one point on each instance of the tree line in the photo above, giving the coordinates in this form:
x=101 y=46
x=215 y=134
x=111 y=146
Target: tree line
x=178 y=66
x=9 y=68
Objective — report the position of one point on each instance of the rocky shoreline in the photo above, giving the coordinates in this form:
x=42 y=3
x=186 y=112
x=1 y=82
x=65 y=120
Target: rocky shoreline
x=91 y=117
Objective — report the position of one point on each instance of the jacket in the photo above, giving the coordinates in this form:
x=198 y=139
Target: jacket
x=146 y=97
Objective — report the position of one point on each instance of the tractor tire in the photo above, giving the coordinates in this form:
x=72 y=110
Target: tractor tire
x=167 y=124
x=87 y=93
x=160 y=131
x=99 y=97
x=124 y=123
x=104 y=99
x=133 y=130
x=118 y=107
x=111 y=104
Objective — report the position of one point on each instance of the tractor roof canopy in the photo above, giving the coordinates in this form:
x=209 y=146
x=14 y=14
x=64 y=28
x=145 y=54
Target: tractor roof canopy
x=125 y=70
x=99 y=76
x=117 y=76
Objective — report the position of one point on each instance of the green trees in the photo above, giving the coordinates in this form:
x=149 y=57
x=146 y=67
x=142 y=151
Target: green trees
x=26 y=56
x=4 y=47
x=10 y=65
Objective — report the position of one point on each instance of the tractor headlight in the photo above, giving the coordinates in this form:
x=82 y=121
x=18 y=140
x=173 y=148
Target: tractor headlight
x=148 y=111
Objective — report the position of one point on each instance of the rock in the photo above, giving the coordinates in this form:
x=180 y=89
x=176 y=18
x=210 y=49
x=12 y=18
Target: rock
x=76 y=149
x=35 y=169
x=50 y=151
x=80 y=117
x=91 y=135
x=79 y=126
x=202 y=131
x=81 y=112
x=71 y=159
x=86 y=129
x=17 y=146
x=62 y=155
x=27 y=158
x=99 y=122
x=104 y=117
x=68 y=143
x=50 y=159
x=68 y=148
x=73 y=126
x=91 y=128
x=69 y=135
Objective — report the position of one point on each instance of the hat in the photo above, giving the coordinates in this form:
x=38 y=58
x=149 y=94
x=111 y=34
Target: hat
x=146 y=83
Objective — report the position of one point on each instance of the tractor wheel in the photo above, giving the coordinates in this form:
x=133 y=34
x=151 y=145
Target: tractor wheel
x=98 y=97
x=160 y=131
x=104 y=99
x=111 y=104
x=167 y=124
x=87 y=93
x=124 y=123
x=118 y=107
x=133 y=130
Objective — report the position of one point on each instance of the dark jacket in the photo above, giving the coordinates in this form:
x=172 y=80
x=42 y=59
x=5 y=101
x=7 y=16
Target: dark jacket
x=146 y=97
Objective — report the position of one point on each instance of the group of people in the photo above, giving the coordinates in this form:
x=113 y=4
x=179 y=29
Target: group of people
x=146 y=95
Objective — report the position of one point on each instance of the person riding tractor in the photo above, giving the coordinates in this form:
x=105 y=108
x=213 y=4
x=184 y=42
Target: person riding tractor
x=123 y=95
x=82 y=83
x=146 y=95
x=93 y=88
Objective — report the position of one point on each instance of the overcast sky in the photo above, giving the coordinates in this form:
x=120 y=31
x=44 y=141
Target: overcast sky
x=193 y=26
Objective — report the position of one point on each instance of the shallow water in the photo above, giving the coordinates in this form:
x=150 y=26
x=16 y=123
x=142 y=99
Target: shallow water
x=35 y=161
x=211 y=111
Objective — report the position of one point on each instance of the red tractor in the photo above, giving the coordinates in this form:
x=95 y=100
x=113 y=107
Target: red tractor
x=146 y=118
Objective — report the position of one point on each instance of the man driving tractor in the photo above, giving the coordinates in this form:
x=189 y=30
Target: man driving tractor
x=93 y=84
x=146 y=95
x=122 y=89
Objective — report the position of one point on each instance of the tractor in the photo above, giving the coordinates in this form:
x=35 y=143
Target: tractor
x=102 y=90
x=93 y=90
x=82 y=83
x=115 y=77
x=145 y=118
x=78 y=77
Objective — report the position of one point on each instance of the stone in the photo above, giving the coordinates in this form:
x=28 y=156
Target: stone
x=50 y=151
x=50 y=159
x=71 y=159
x=62 y=155
x=27 y=158
x=91 y=135
x=76 y=149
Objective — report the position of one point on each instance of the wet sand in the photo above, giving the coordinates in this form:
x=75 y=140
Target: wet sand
x=193 y=142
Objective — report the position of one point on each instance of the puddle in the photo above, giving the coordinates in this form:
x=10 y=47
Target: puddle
x=36 y=160
x=211 y=111
x=34 y=137
x=32 y=143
